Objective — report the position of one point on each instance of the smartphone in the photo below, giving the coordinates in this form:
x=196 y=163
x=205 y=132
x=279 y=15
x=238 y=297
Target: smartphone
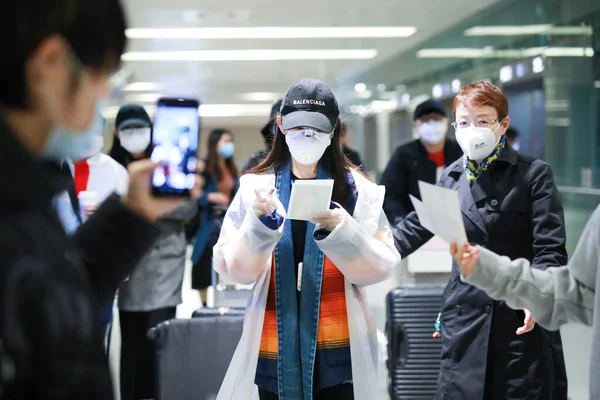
x=175 y=139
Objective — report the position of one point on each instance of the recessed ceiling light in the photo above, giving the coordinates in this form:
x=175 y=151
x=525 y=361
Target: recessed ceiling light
x=437 y=91
x=209 y=110
x=537 y=65
x=250 y=55
x=360 y=87
x=507 y=30
x=488 y=52
x=456 y=85
x=524 y=30
x=259 y=96
x=506 y=73
x=274 y=32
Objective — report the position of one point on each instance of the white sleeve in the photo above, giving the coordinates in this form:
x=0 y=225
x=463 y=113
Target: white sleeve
x=362 y=258
x=245 y=244
x=554 y=296
x=122 y=180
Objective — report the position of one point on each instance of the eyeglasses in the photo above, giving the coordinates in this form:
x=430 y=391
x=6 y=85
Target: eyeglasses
x=480 y=123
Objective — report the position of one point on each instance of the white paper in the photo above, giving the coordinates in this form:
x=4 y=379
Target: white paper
x=309 y=198
x=439 y=212
x=422 y=213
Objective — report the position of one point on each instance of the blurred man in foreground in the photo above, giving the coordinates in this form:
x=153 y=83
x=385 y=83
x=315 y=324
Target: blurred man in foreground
x=53 y=288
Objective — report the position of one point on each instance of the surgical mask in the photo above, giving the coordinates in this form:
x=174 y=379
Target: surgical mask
x=135 y=140
x=516 y=146
x=64 y=143
x=476 y=142
x=307 y=146
x=226 y=150
x=432 y=132
x=96 y=146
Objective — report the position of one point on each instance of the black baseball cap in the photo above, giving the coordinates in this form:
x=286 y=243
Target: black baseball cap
x=428 y=107
x=266 y=130
x=310 y=103
x=132 y=114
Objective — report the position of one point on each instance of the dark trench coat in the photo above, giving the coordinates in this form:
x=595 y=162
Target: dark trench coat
x=513 y=209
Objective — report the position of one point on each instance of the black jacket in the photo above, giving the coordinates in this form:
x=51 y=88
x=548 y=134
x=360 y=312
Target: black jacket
x=514 y=210
x=409 y=164
x=53 y=289
x=254 y=160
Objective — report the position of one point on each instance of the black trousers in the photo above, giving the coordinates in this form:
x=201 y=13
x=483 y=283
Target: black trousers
x=138 y=355
x=339 y=392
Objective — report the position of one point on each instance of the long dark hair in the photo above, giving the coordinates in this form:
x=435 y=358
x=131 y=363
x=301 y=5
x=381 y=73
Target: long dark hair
x=334 y=162
x=122 y=156
x=212 y=161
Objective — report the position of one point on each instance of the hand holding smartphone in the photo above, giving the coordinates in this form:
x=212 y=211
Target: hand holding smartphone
x=175 y=144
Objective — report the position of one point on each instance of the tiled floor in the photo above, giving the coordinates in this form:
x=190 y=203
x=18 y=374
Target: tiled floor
x=576 y=339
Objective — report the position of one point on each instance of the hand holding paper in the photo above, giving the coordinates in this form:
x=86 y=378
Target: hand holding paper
x=330 y=219
x=309 y=198
x=265 y=202
x=440 y=213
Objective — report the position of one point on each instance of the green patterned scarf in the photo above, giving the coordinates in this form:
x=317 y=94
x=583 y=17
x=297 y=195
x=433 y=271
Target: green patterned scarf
x=473 y=170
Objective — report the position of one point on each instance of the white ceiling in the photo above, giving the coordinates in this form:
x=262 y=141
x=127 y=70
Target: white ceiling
x=229 y=82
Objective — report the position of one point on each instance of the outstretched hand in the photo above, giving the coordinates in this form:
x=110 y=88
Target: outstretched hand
x=466 y=257
x=528 y=323
x=329 y=219
x=265 y=201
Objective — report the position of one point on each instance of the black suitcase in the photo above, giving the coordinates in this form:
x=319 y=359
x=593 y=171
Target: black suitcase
x=193 y=355
x=413 y=355
x=218 y=312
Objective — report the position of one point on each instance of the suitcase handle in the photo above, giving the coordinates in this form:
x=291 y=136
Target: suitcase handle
x=400 y=342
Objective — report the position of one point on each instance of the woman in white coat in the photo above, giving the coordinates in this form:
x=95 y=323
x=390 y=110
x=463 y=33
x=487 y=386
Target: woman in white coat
x=308 y=333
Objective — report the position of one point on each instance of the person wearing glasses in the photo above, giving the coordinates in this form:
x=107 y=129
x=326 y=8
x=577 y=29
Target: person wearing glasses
x=510 y=205
x=422 y=159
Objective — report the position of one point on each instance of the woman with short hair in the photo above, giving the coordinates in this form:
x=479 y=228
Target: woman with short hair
x=511 y=206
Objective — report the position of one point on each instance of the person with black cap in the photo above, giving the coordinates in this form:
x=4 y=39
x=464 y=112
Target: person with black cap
x=422 y=159
x=307 y=334
x=133 y=134
x=268 y=132
x=152 y=292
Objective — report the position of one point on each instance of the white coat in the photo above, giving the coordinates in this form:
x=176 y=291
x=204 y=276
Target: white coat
x=361 y=247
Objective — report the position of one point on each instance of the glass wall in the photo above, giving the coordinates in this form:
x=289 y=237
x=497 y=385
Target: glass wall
x=545 y=54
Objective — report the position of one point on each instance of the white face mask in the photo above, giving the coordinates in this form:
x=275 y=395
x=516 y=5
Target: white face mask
x=516 y=146
x=476 y=143
x=432 y=132
x=307 y=146
x=135 y=140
